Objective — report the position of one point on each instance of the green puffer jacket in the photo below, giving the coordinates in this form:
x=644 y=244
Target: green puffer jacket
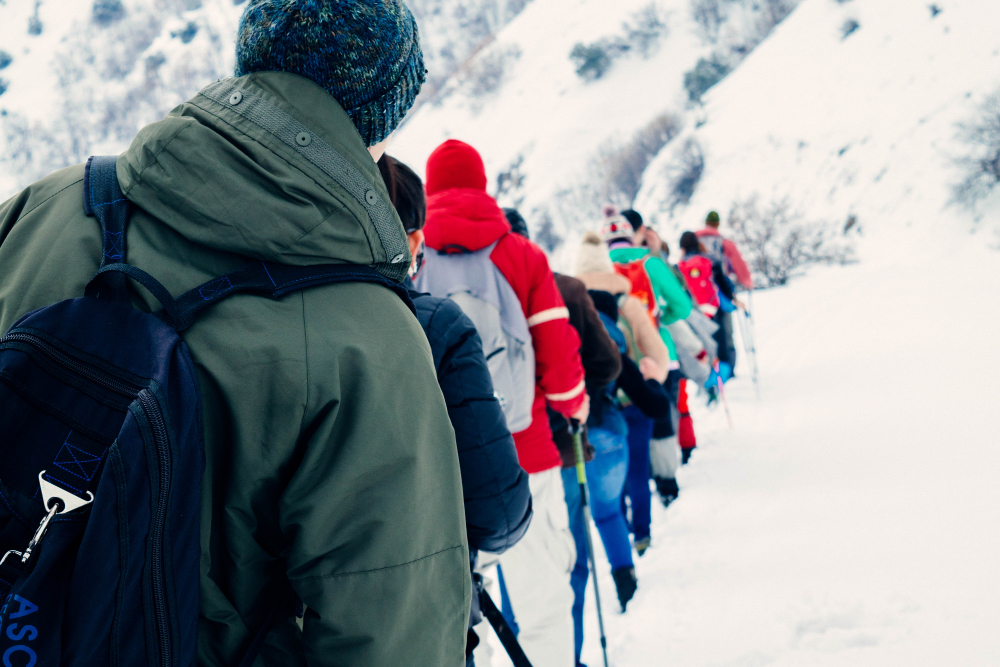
x=330 y=456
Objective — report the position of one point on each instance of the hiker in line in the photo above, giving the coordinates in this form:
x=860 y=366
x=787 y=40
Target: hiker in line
x=666 y=302
x=505 y=278
x=331 y=464
x=602 y=365
x=728 y=262
x=628 y=323
x=495 y=487
x=696 y=351
x=701 y=274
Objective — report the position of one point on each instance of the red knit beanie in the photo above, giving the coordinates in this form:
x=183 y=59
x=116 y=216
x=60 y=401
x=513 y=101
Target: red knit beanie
x=455 y=164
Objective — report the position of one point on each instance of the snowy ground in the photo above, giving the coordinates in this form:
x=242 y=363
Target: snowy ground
x=852 y=516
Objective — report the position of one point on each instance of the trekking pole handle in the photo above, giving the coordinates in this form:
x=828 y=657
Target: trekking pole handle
x=581 y=473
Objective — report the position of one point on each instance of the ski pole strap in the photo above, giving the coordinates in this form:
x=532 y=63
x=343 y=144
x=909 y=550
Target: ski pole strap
x=503 y=630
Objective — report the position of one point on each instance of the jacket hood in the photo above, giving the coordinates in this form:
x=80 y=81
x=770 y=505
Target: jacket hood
x=463 y=219
x=267 y=166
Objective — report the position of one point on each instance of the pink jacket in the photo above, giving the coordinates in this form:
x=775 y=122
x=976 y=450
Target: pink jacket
x=730 y=252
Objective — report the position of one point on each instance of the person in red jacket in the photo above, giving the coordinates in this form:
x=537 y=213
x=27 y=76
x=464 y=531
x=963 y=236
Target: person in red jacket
x=723 y=250
x=462 y=217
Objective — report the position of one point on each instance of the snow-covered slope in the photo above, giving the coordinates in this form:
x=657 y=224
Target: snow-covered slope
x=543 y=110
x=863 y=125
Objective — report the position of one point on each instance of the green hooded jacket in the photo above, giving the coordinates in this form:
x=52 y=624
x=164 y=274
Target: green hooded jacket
x=671 y=297
x=330 y=459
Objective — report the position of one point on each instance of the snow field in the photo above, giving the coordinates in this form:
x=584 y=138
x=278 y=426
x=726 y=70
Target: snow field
x=852 y=516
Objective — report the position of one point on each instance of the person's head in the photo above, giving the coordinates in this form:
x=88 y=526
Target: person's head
x=712 y=220
x=406 y=193
x=593 y=256
x=455 y=164
x=518 y=225
x=634 y=218
x=617 y=232
x=689 y=243
x=365 y=53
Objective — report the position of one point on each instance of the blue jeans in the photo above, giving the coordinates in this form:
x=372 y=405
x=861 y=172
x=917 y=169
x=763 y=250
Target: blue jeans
x=605 y=480
x=640 y=430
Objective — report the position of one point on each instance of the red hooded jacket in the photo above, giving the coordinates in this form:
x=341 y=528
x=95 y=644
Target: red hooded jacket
x=462 y=216
x=732 y=255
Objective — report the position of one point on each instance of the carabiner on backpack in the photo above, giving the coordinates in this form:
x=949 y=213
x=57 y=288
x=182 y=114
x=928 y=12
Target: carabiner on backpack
x=57 y=501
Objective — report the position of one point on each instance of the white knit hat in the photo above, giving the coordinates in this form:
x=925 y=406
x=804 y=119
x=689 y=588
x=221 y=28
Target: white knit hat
x=593 y=255
x=616 y=227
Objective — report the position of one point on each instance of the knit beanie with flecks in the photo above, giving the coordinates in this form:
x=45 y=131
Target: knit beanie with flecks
x=366 y=53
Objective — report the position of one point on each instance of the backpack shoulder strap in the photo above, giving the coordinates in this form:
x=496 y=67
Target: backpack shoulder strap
x=274 y=281
x=103 y=199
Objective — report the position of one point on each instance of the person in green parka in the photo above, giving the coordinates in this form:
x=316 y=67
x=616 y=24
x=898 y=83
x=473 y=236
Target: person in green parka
x=330 y=460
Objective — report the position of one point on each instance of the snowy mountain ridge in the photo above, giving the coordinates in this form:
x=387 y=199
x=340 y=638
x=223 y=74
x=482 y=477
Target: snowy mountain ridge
x=79 y=78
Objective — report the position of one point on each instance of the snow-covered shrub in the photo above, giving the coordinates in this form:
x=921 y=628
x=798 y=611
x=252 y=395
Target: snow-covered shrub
x=706 y=73
x=709 y=15
x=110 y=84
x=34 y=22
x=486 y=73
x=509 y=184
x=644 y=29
x=591 y=60
x=848 y=28
x=778 y=242
x=106 y=12
x=619 y=166
x=738 y=26
x=3 y=86
x=981 y=165
x=452 y=33
x=684 y=174
x=546 y=235
x=642 y=33
x=187 y=33
x=5 y=59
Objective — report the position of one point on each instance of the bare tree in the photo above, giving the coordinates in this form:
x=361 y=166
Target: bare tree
x=619 y=168
x=778 y=242
x=981 y=164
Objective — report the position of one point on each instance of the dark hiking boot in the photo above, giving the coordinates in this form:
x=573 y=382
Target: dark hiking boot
x=642 y=545
x=686 y=455
x=713 y=396
x=668 y=489
x=626 y=583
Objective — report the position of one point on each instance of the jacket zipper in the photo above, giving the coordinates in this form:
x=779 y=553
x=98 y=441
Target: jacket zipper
x=162 y=442
x=95 y=375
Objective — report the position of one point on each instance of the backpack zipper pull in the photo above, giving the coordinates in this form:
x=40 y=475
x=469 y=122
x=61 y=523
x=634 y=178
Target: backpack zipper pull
x=57 y=501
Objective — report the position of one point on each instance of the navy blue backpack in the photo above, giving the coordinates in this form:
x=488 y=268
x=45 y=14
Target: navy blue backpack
x=101 y=458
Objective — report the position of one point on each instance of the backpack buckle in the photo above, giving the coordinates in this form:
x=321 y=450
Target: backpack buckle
x=57 y=501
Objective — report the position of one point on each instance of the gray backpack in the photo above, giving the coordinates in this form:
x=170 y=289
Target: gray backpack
x=474 y=282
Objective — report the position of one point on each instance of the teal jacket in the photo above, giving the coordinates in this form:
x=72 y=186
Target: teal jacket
x=671 y=297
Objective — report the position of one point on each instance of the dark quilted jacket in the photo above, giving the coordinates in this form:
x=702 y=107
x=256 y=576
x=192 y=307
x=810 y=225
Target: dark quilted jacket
x=495 y=487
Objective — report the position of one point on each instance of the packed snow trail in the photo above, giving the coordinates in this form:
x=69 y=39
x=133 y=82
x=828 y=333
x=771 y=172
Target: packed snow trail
x=852 y=517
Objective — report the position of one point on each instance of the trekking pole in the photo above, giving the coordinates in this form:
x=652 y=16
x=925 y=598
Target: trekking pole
x=753 y=344
x=722 y=394
x=748 y=347
x=581 y=477
x=500 y=626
